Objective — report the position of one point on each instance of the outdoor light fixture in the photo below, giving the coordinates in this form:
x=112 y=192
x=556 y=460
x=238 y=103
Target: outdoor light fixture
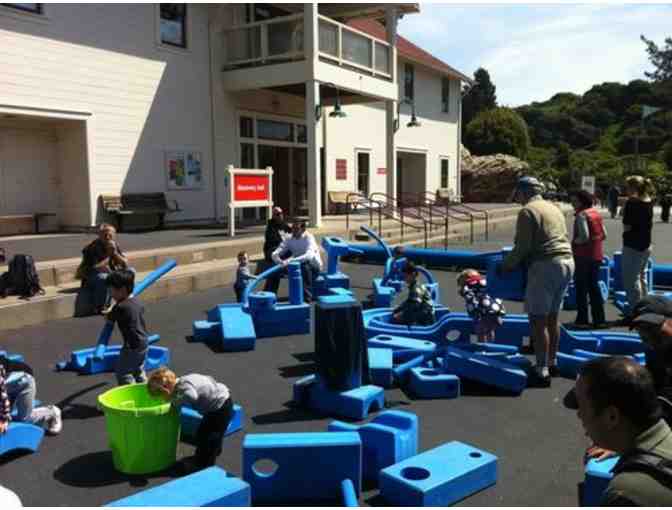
x=338 y=111
x=414 y=119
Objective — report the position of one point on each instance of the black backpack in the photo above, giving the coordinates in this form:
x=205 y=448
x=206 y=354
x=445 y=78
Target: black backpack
x=652 y=464
x=21 y=279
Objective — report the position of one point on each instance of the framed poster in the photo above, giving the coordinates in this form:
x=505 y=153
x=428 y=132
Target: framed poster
x=184 y=170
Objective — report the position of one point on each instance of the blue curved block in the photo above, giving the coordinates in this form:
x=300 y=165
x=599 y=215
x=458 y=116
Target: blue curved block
x=380 y=367
x=11 y=357
x=309 y=466
x=620 y=346
x=430 y=383
x=383 y=295
x=348 y=493
x=357 y=403
x=570 y=340
x=228 y=326
x=397 y=343
x=84 y=361
x=191 y=419
x=519 y=360
x=484 y=369
x=598 y=476
x=21 y=436
x=208 y=487
x=569 y=364
x=390 y=437
x=438 y=477
x=487 y=347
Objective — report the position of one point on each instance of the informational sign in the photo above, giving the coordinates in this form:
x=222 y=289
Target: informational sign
x=341 y=169
x=588 y=184
x=381 y=171
x=184 y=170
x=251 y=188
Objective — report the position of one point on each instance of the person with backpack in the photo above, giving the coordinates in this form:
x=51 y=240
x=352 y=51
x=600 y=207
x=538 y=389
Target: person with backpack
x=100 y=258
x=22 y=278
x=616 y=401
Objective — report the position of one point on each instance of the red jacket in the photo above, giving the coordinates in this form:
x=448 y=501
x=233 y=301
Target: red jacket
x=593 y=248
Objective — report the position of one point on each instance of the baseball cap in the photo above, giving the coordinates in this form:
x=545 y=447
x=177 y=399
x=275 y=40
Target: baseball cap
x=650 y=309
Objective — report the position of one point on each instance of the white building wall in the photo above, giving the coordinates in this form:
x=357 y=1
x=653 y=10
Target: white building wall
x=144 y=98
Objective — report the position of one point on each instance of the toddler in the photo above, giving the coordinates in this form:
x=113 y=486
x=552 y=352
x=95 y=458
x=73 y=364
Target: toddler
x=418 y=309
x=486 y=312
x=243 y=275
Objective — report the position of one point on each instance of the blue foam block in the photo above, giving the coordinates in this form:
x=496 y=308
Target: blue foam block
x=570 y=340
x=402 y=372
x=569 y=364
x=84 y=361
x=206 y=331
x=191 y=419
x=438 y=477
x=237 y=329
x=390 y=437
x=487 y=347
x=348 y=494
x=301 y=470
x=383 y=295
x=208 y=487
x=380 y=367
x=598 y=476
x=397 y=343
x=357 y=403
x=11 y=357
x=21 y=436
x=484 y=369
x=620 y=346
x=519 y=360
x=283 y=320
x=430 y=383
x=340 y=291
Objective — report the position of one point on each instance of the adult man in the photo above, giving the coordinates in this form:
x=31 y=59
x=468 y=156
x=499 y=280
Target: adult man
x=612 y=200
x=618 y=408
x=541 y=245
x=300 y=247
x=273 y=236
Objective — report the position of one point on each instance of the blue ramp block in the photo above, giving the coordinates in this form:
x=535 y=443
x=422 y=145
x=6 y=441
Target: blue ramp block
x=398 y=343
x=21 y=436
x=484 y=369
x=390 y=437
x=598 y=476
x=569 y=364
x=380 y=367
x=357 y=403
x=439 y=477
x=303 y=466
x=237 y=329
x=430 y=383
x=191 y=419
x=208 y=487
x=84 y=361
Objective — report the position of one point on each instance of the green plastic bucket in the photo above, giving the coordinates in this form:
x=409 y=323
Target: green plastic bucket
x=142 y=429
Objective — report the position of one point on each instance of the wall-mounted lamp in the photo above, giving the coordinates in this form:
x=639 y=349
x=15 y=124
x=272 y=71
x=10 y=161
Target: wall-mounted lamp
x=414 y=119
x=337 y=112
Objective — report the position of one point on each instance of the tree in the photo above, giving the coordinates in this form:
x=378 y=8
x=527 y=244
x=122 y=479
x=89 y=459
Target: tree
x=500 y=130
x=661 y=58
x=478 y=97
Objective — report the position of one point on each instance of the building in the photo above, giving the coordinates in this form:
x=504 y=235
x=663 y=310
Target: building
x=119 y=98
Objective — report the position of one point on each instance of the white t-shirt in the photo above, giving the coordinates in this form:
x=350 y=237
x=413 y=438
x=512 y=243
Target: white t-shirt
x=303 y=249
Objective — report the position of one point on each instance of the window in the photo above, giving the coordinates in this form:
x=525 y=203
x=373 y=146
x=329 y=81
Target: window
x=274 y=130
x=173 y=24
x=301 y=133
x=246 y=155
x=409 y=82
x=246 y=127
x=445 y=165
x=363 y=164
x=445 y=95
x=34 y=8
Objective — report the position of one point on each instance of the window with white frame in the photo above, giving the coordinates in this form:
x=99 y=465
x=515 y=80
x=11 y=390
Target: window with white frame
x=409 y=82
x=445 y=172
x=445 y=95
x=32 y=8
x=173 y=25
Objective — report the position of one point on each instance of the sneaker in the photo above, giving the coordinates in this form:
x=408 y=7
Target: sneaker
x=535 y=380
x=55 y=423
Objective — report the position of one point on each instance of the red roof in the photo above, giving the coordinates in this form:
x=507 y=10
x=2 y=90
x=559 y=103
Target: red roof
x=406 y=48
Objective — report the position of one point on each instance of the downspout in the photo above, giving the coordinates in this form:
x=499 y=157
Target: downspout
x=213 y=138
x=459 y=145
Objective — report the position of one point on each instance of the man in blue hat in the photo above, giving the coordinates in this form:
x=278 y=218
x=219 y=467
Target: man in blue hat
x=542 y=246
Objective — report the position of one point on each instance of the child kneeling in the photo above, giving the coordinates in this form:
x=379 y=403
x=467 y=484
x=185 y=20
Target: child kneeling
x=487 y=313
x=418 y=309
x=17 y=387
x=203 y=394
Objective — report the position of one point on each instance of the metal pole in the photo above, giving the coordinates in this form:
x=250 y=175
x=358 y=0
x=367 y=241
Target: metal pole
x=402 y=224
x=471 y=217
x=445 y=234
x=486 y=226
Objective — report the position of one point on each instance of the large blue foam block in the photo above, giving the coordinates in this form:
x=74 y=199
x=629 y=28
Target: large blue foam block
x=390 y=437
x=208 y=487
x=569 y=364
x=431 y=383
x=484 y=369
x=357 y=403
x=397 y=343
x=21 y=436
x=348 y=494
x=380 y=367
x=438 y=477
x=237 y=331
x=191 y=419
x=598 y=476
x=308 y=466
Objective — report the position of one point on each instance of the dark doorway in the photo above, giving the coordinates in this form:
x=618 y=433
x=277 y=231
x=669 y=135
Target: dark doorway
x=278 y=159
x=363 y=171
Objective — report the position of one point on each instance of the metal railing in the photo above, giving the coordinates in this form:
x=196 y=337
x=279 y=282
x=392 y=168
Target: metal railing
x=459 y=207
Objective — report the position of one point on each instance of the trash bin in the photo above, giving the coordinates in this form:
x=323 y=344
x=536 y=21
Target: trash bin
x=142 y=430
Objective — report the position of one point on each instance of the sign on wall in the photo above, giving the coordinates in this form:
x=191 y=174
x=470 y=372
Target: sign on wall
x=341 y=169
x=251 y=188
x=184 y=170
x=381 y=171
x=588 y=184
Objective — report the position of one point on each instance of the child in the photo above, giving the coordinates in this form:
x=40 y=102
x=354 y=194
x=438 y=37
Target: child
x=243 y=275
x=418 y=309
x=17 y=386
x=397 y=266
x=203 y=394
x=129 y=315
x=486 y=312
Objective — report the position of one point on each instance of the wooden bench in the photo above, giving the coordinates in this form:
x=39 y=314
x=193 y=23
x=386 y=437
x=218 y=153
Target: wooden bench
x=340 y=200
x=138 y=203
x=22 y=223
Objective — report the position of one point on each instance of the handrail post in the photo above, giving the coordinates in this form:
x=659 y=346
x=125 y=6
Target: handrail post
x=401 y=209
x=380 y=222
x=471 y=217
x=347 y=217
x=486 y=226
x=370 y=215
x=445 y=234
x=425 y=223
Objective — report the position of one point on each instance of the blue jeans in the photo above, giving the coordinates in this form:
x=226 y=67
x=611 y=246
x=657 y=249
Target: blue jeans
x=96 y=284
x=21 y=389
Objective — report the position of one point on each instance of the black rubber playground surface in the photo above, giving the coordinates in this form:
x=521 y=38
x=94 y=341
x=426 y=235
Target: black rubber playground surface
x=539 y=443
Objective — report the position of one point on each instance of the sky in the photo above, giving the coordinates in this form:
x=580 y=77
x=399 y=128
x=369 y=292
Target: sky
x=533 y=51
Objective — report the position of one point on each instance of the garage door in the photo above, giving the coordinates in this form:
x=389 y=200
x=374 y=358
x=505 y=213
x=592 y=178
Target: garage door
x=28 y=172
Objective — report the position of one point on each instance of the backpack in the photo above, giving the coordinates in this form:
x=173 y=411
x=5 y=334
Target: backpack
x=643 y=461
x=21 y=279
